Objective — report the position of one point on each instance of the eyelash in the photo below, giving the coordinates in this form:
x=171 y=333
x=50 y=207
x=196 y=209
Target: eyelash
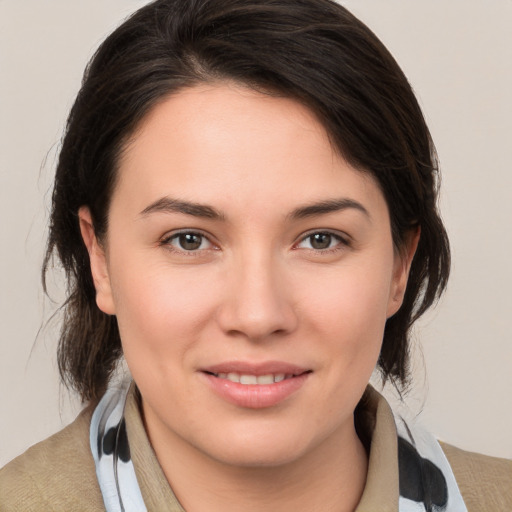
x=343 y=242
x=166 y=242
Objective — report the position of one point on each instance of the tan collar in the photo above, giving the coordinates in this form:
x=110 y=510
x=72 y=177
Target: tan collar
x=155 y=489
x=380 y=493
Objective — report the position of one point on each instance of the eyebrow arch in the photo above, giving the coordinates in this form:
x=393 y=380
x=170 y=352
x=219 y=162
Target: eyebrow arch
x=169 y=205
x=327 y=206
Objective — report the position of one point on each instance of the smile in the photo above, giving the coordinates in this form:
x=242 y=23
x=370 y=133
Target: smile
x=256 y=386
x=248 y=379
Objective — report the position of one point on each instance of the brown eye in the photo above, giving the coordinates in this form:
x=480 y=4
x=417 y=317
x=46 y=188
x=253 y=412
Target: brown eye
x=321 y=241
x=188 y=241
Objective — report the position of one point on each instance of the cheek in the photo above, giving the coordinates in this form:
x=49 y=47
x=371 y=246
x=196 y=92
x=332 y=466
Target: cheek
x=349 y=316
x=160 y=312
x=354 y=298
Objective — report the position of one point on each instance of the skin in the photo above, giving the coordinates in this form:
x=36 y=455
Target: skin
x=256 y=289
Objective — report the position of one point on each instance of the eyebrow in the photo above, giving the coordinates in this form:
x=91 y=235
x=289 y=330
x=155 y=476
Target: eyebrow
x=328 y=206
x=169 y=205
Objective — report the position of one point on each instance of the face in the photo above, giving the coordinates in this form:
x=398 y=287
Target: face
x=251 y=270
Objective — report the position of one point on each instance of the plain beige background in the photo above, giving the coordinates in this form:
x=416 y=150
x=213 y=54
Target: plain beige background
x=457 y=55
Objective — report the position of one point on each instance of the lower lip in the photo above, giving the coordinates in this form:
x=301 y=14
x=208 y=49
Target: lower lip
x=256 y=396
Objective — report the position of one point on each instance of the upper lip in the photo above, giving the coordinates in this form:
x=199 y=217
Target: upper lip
x=263 y=368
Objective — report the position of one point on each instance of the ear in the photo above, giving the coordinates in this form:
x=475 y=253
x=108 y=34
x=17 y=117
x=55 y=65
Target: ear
x=98 y=260
x=402 y=266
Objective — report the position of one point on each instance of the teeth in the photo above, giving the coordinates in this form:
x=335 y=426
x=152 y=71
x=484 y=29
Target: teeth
x=248 y=379
x=254 y=379
x=265 y=379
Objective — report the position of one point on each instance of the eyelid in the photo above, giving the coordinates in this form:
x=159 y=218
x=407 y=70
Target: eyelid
x=344 y=239
x=168 y=237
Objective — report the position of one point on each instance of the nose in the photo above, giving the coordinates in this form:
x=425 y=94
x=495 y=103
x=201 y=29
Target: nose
x=258 y=302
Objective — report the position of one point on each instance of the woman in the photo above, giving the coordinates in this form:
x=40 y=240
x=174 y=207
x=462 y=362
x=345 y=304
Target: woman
x=245 y=204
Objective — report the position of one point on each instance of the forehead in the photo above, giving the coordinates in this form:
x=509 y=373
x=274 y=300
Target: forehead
x=232 y=146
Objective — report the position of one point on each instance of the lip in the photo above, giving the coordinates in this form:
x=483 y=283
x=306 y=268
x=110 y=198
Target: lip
x=255 y=396
x=262 y=368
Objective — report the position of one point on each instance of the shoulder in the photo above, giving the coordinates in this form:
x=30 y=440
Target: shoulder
x=53 y=475
x=484 y=482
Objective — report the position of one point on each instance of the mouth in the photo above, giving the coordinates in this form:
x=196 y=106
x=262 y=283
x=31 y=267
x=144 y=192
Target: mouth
x=256 y=386
x=250 y=379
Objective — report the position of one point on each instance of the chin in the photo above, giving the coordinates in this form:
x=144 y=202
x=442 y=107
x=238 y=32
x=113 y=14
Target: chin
x=259 y=448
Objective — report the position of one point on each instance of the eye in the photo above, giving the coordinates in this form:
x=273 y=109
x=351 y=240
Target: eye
x=188 y=241
x=321 y=241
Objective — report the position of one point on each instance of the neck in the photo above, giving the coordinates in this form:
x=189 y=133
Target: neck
x=329 y=477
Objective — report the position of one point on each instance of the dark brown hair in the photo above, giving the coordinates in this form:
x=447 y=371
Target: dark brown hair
x=313 y=51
